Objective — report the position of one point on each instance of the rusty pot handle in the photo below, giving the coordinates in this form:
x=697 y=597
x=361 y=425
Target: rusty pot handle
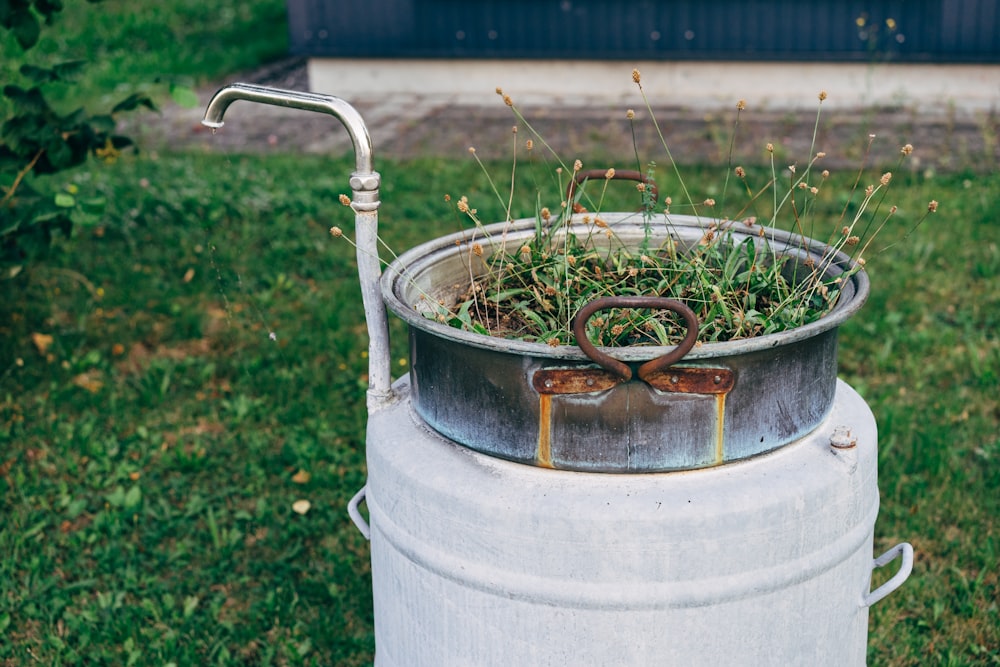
x=622 y=370
x=598 y=174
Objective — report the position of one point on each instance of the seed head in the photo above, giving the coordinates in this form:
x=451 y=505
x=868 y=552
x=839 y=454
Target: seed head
x=791 y=168
x=907 y=149
x=577 y=166
x=893 y=209
x=814 y=190
x=636 y=77
x=803 y=185
x=545 y=213
x=472 y=150
x=869 y=190
x=514 y=129
x=740 y=172
x=345 y=200
x=845 y=231
x=630 y=114
x=499 y=91
x=741 y=105
x=822 y=95
x=610 y=173
x=769 y=147
x=529 y=144
x=447 y=197
x=825 y=173
x=463 y=204
x=853 y=240
x=820 y=155
x=600 y=223
x=709 y=202
x=668 y=201
x=641 y=187
x=886 y=177
x=336 y=232
x=506 y=100
x=477 y=249
x=617 y=330
x=553 y=342
x=932 y=206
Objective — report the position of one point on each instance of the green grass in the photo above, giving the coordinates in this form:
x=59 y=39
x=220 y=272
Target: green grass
x=156 y=445
x=149 y=48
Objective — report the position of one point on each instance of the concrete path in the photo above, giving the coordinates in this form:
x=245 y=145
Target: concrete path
x=407 y=126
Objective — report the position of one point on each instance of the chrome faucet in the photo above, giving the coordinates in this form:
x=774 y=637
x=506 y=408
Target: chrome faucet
x=365 y=183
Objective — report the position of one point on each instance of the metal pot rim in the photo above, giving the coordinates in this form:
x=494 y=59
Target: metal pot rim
x=395 y=277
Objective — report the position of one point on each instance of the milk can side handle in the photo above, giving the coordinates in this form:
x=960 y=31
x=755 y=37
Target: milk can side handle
x=902 y=550
x=365 y=183
x=355 y=513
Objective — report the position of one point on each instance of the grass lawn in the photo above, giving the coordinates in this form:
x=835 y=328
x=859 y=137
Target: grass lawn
x=187 y=369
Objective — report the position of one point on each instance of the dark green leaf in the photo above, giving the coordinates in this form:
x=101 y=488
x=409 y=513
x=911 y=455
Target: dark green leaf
x=133 y=102
x=69 y=69
x=25 y=27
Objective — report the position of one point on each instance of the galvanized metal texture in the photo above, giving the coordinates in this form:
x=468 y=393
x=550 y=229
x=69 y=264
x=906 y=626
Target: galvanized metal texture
x=480 y=561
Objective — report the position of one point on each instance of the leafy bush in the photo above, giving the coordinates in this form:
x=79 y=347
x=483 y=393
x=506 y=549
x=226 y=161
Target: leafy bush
x=38 y=140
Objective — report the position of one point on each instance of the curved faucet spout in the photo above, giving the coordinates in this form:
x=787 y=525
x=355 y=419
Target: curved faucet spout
x=365 y=183
x=334 y=106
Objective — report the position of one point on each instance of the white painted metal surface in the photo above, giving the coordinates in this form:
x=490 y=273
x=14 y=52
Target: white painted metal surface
x=480 y=561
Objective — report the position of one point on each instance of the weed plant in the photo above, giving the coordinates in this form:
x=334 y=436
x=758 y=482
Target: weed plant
x=737 y=278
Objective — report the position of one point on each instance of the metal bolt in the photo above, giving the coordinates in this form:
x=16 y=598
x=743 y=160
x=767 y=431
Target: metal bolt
x=842 y=438
x=365 y=182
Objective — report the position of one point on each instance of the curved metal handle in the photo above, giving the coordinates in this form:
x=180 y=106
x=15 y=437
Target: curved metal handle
x=903 y=550
x=622 y=370
x=598 y=174
x=365 y=183
x=355 y=513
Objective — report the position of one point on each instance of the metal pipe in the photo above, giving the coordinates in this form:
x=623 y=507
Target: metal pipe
x=364 y=183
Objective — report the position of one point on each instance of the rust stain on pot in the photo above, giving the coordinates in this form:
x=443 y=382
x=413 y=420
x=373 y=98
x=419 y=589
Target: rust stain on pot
x=544 y=453
x=720 y=427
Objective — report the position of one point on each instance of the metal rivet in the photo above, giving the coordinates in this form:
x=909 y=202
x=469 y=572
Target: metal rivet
x=674 y=379
x=548 y=383
x=717 y=379
x=842 y=438
x=590 y=382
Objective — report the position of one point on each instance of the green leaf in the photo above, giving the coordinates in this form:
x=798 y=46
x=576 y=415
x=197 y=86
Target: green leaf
x=25 y=27
x=65 y=200
x=184 y=97
x=133 y=497
x=133 y=102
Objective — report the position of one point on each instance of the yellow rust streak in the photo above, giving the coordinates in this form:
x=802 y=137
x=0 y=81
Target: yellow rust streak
x=720 y=424
x=544 y=454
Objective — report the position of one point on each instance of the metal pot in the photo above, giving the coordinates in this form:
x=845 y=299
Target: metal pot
x=558 y=407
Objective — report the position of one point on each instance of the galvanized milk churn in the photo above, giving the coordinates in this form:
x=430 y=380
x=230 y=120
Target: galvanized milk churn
x=530 y=505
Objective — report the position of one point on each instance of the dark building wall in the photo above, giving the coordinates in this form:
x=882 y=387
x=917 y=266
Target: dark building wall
x=812 y=30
